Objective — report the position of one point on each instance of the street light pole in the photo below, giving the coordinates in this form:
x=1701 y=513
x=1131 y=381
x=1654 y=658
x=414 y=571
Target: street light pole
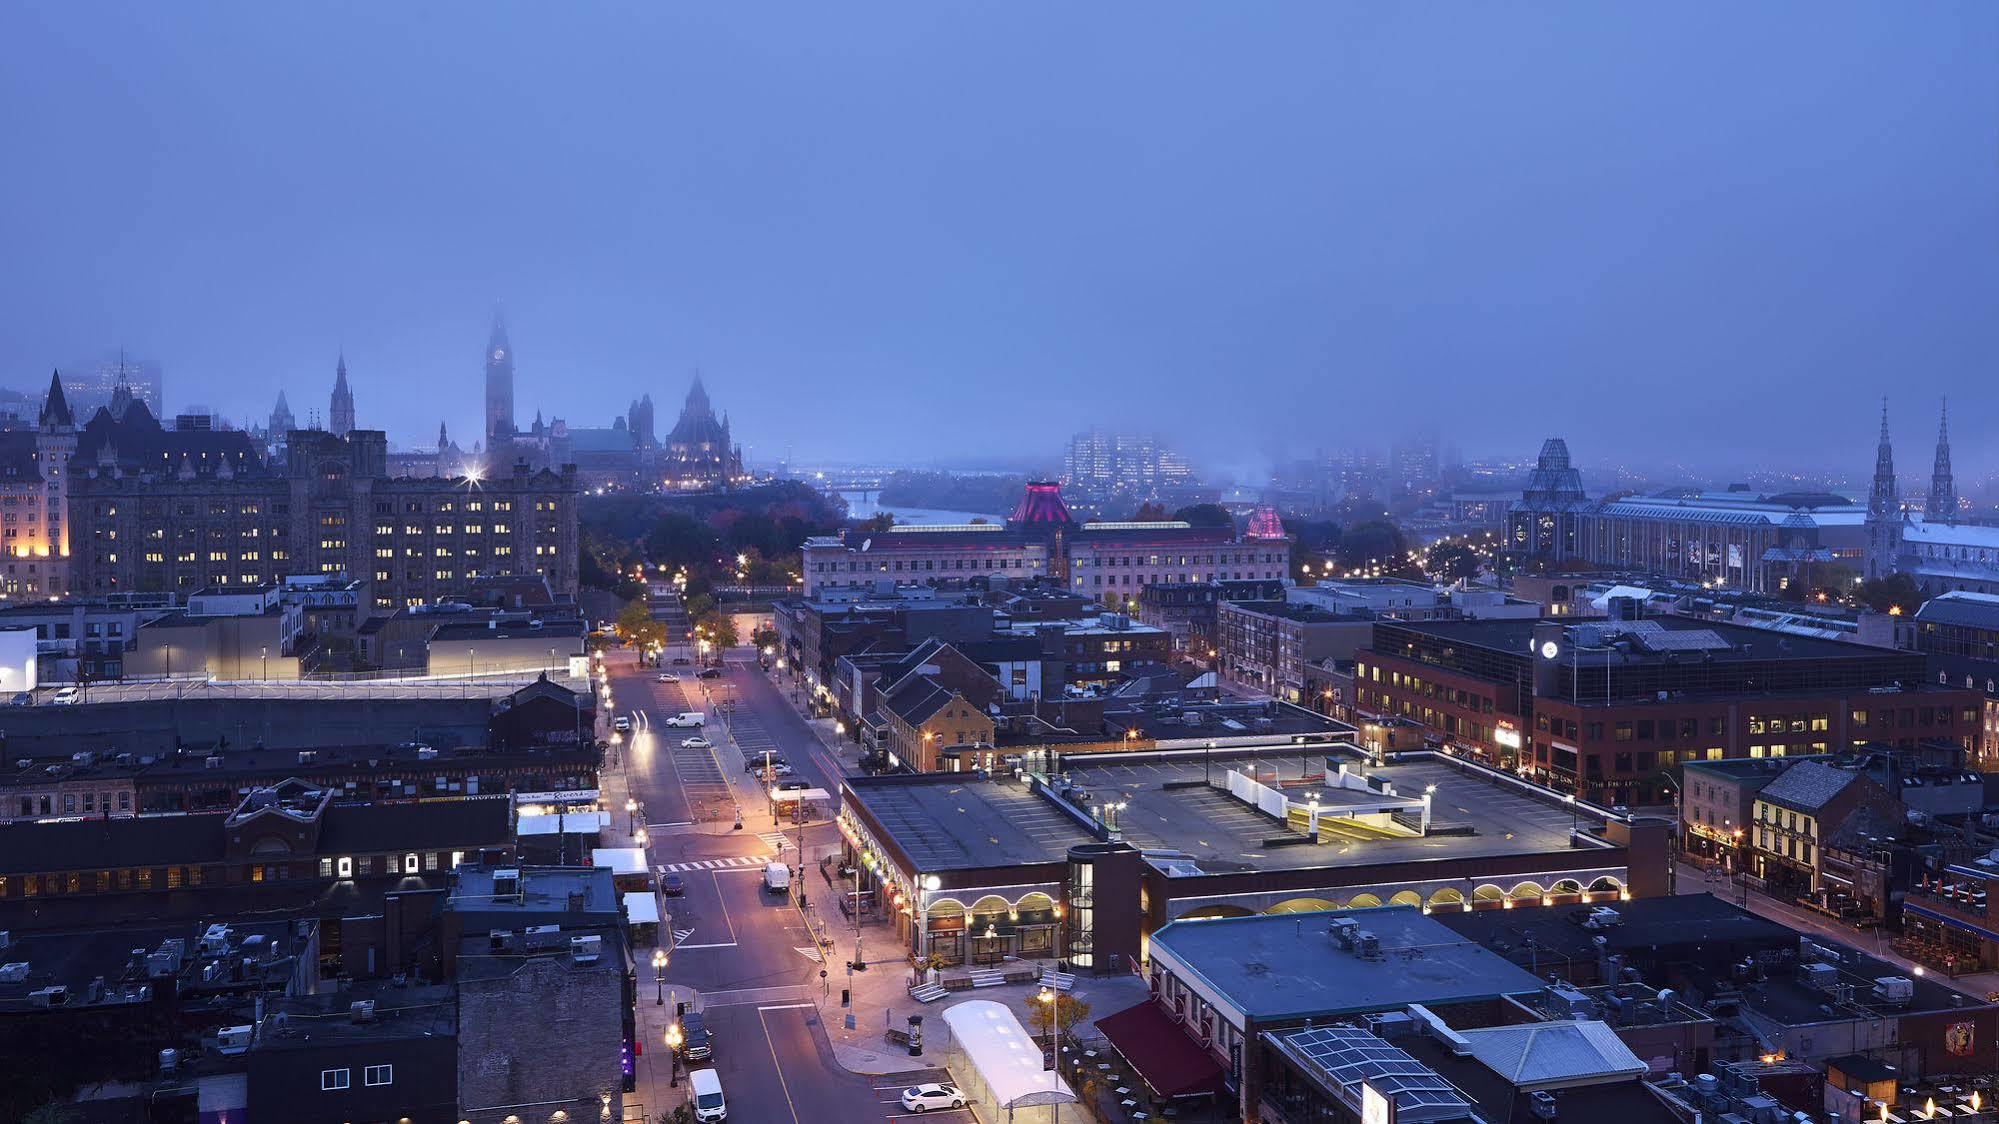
x=1054 y=1011
x=659 y=977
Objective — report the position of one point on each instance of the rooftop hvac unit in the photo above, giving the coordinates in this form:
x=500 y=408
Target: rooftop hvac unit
x=1896 y=991
x=1542 y=1103
x=1824 y=977
x=498 y=939
x=15 y=972
x=586 y=949
x=1368 y=945
x=1601 y=917
x=169 y=1060
x=361 y=1010
x=234 y=1039
x=1707 y=1084
x=537 y=938
x=426 y=753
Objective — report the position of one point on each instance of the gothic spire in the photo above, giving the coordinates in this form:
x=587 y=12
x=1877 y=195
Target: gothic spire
x=1881 y=501
x=1943 y=486
x=55 y=409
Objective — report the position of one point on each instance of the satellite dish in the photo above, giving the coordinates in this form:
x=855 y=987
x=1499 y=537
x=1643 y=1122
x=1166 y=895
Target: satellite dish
x=865 y=544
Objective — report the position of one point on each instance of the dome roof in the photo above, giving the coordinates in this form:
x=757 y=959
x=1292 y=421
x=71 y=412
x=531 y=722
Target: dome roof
x=1042 y=505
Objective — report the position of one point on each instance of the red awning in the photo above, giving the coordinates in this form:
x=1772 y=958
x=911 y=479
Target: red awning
x=1173 y=1064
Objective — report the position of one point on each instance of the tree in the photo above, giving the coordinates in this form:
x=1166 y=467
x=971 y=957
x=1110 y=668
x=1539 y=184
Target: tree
x=1150 y=512
x=1376 y=543
x=637 y=628
x=880 y=522
x=719 y=627
x=1894 y=593
x=1206 y=515
x=1066 y=1012
x=1454 y=561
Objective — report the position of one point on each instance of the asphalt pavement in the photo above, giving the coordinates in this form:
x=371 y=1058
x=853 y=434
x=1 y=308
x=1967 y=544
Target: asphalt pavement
x=742 y=955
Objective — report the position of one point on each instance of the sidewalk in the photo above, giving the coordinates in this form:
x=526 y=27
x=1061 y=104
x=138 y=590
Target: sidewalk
x=881 y=1001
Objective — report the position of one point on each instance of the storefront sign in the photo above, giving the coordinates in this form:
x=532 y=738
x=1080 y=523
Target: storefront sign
x=951 y=924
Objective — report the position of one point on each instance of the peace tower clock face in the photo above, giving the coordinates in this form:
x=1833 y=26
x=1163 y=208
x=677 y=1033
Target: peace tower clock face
x=499 y=353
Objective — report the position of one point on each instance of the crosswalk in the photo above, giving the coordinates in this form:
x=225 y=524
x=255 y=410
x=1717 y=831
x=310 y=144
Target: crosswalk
x=715 y=864
x=776 y=840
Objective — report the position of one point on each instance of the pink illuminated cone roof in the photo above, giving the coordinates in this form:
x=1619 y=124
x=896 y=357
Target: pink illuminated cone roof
x=1264 y=524
x=1042 y=505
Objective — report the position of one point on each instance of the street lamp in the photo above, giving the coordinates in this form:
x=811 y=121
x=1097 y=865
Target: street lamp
x=673 y=1040
x=659 y=977
x=1054 y=1011
x=642 y=838
x=631 y=816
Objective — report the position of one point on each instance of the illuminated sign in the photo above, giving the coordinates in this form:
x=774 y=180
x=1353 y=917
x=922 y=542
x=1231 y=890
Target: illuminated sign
x=1506 y=736
x=1375 y=1106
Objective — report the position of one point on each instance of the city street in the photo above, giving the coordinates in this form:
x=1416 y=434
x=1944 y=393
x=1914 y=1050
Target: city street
x=741 y=955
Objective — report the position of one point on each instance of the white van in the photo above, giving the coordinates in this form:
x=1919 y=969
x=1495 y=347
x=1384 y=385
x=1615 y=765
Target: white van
x=708 y=1101
x=777 y=877
x=687 y=718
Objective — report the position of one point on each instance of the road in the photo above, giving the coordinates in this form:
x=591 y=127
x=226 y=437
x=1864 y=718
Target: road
x=746 y=952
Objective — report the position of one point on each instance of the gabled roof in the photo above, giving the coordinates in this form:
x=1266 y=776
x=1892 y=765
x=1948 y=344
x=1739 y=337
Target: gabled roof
x=1808 y=785
x=916 y=700
x=1561 y=1053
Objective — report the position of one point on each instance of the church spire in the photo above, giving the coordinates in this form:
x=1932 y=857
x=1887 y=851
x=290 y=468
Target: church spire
x=1943 y=486
x=341 y=408
x=1881 y=501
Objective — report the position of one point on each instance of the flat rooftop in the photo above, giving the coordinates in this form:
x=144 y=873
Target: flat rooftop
x=1288 y=967
x=542 y=888
x=1470 y=817
x=957 y=822
x=1657 y=639
x=487 y=686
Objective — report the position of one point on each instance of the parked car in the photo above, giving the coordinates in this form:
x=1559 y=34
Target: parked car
x=687 y=718
x=755 y=762
x=681 y=661
x=621 y=724
x=774 y=769
x=697 y=742
x=790 y=786
x=923 y=1098
x=696 y=1043
x=673 y=885
x=711 y=673
x=666 y=677
x=65 y=696
x=21 y=698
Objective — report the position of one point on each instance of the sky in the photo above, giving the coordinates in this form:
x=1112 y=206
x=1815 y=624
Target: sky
x=1700 y=232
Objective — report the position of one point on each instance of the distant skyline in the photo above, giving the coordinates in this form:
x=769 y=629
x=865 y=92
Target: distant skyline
x=1706 y=234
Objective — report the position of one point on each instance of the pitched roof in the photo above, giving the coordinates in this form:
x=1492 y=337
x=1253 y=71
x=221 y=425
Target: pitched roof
x=55 y=409
x=429 y=825
x=1808 y=785
x=916 y=700
x=1532 y=1054
x=27 y=848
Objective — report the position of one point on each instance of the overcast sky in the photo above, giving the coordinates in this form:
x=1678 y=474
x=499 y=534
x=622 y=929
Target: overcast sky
x=1682 y=231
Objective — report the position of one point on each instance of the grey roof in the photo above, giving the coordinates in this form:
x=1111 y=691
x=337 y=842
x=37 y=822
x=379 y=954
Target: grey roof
x=1807 y=785
x=1285 y=966
x=1533 y=1054
x=1969 y=610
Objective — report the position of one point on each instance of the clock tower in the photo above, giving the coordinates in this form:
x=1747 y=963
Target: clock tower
x=499 y=385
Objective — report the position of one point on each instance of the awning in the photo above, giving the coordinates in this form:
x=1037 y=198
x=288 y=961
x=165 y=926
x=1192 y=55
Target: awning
x=641 y=908
x=621 y=860
x=1008 y=1061
x=1173 y=1064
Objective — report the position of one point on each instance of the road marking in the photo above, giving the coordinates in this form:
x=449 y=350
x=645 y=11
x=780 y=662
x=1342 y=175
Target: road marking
x=786 y=1006
x=692 y=947
x=782 y=1083
x=748 y=996
x=811 y=954
x=680 y=937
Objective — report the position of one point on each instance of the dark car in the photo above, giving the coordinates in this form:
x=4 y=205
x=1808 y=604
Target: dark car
x=681 y=661
x=696 y=1044
x=711 y=673
x=673 y=885
x=755 y=763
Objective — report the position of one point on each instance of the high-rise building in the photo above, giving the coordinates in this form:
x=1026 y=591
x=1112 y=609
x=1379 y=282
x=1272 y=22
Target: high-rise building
x=1123 y=463
x=340 y=413
x=499 y=385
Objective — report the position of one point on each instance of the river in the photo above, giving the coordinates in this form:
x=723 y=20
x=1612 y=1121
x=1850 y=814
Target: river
x=858 y=507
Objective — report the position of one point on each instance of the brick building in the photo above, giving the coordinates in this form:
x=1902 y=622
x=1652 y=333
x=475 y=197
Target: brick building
x=1602 y=708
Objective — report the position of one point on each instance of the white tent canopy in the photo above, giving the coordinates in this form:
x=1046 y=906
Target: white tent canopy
x=1007 y=1059
x=641 y=908
x=621 y=860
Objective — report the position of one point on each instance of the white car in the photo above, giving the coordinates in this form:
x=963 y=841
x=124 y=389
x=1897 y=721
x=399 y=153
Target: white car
x=65 y=696
x=665 y=677
x=621 y=724
x=923 y=1098
x=697 y=743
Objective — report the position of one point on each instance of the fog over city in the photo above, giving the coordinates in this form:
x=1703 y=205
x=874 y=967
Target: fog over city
x=1707 y=235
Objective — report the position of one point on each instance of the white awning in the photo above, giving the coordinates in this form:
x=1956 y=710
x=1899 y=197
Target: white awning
x=792 y=795
x=1007 y=1059
x=569 y=823
x=621 y=860
x=641 y=908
